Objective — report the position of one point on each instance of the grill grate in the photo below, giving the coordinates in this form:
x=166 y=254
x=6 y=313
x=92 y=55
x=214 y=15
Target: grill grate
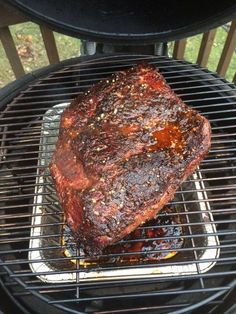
x=22 y=190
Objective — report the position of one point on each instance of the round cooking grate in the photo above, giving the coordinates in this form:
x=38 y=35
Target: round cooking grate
x=38 y=257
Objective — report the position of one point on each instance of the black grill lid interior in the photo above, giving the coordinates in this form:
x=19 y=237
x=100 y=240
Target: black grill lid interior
x=128 y=21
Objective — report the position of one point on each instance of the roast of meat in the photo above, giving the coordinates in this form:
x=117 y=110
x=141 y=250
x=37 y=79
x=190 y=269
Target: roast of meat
x=124 y=148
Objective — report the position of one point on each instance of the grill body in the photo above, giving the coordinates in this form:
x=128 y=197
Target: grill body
x=21 y=122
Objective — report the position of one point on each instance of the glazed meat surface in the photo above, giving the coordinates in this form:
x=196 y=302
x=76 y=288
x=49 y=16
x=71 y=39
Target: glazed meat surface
x=124 y=148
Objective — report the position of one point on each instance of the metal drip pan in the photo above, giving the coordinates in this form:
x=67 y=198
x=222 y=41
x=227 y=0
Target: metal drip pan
x=197 y=254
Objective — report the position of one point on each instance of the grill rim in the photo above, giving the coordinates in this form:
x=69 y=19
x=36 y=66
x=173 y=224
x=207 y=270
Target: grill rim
x=48 y=70
x=13 y=89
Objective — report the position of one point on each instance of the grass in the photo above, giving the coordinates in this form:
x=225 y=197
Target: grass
x=28 y=40
x=192 y=49
x=29 y=43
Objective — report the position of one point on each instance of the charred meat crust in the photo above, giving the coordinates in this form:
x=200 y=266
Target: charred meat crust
x=123 y=150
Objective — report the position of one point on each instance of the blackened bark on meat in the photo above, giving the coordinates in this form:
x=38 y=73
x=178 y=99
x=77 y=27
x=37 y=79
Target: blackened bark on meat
x=123 y=150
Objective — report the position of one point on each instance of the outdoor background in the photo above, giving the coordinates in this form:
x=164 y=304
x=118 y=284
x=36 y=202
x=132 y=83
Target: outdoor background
x=30 y=47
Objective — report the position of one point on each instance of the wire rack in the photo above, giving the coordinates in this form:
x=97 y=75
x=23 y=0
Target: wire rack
x=34 y=239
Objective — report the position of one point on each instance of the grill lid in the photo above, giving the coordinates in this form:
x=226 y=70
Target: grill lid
x=129 y=21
